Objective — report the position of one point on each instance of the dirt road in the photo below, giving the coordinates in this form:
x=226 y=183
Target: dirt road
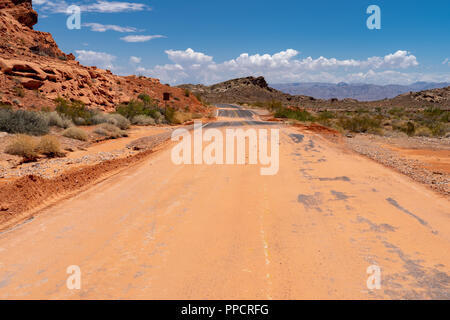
x=161 y=231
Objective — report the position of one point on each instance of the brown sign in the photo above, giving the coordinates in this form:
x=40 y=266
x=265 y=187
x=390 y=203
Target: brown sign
x=166 y=96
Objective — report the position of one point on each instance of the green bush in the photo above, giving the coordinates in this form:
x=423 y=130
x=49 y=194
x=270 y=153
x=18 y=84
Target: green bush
x=76 y=133
x=274 y=105
x=75 y=110
x=360 y=123
x=135 y=108
x=23 y=121
x=187 y=93
x=296 y=114
x=145 y=98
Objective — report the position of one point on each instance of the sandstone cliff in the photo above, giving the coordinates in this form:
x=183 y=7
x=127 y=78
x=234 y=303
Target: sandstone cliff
x=34 y=71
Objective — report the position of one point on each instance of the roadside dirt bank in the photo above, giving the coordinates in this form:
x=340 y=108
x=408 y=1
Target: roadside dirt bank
x=22 y=198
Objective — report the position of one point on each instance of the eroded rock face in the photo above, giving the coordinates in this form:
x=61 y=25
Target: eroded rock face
x=34 y=71
x=21 y=10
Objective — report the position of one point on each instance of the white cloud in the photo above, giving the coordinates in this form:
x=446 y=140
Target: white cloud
x=135 y=60
x=188 y=56
x=98 y=27
x=400 y=59
x=93 y=58
x=114 y=6
x=284 y=66
x=446 y=61
x=101 y=6
x=141 y=38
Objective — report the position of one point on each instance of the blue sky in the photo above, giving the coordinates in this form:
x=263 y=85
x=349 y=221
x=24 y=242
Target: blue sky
x=286 y=40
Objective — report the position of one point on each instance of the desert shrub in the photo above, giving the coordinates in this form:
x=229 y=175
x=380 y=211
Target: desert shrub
x=423 y=132
x=145 y=98
x=169 y=113
x=296 y=114
x=75 y=110
x=54 y=119
x=135 y=108
x=161 y=120
x=23 y=146
x=181 y=117
x=397 y=111
x=360 y=124
x=410 y=128
x=76 y=133
x=439 y=129
x=187 y=93
x=325 y=118
x=120 y=121
x=19 y=92
x=176 y=117
x=433 y=111
x=23 y=121
x=110 y=130
x=80 y=121
x=445 y=117
x=132 y=109
x=100 y=118
x=142 y=120
x=114 y=119
x=50 y=146
x=5 y=115
x=274 y=105
x=325 y=115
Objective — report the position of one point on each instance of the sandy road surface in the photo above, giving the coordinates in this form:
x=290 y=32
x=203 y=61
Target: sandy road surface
x=162 y=231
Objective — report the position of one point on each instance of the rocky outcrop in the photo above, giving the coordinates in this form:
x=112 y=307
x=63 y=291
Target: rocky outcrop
x=34 y=71
x=440 y=96
x=244 y=90
x=21 y=10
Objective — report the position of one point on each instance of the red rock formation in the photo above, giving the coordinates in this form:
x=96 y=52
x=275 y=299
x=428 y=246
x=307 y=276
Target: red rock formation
x=31 y=61
x=21 y=10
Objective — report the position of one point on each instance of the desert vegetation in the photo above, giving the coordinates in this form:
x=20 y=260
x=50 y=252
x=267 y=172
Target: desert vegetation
x=75 y=133
x=110 y=131
x=145 y=111
x=29 y=147
x=37 y=133
x=426 y=121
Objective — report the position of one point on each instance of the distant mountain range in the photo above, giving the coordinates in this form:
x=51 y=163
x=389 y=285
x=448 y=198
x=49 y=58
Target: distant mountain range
x=361 y=92
x=251 y=90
